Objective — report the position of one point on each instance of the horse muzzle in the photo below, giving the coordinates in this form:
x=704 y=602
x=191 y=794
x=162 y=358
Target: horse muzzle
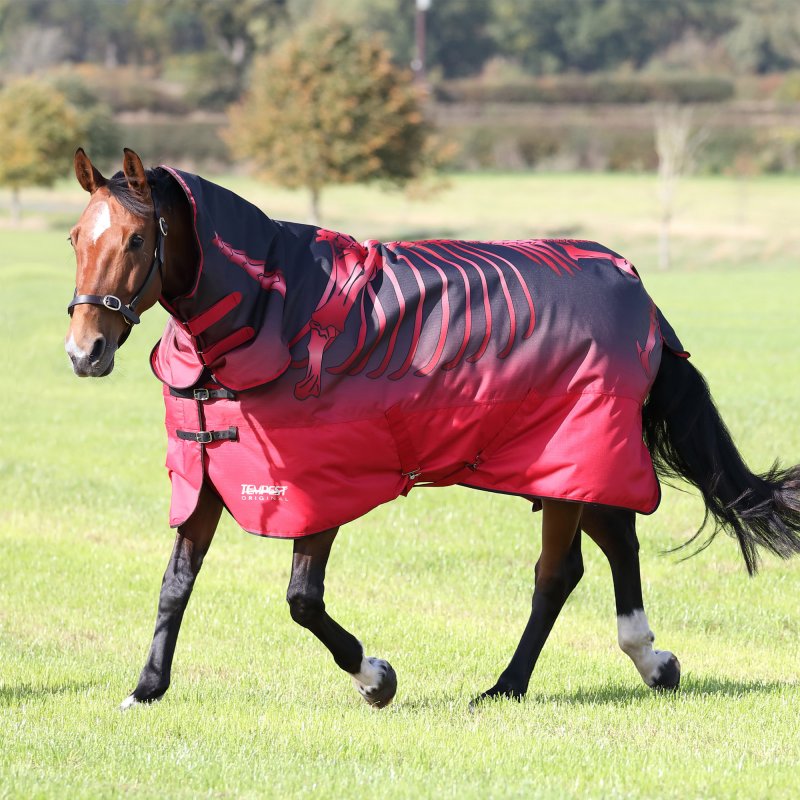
x=96 y=363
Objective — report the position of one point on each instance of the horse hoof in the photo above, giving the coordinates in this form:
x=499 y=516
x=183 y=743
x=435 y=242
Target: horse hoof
x=669 y=676
x=376 y=682
x=132 y=700
x=500 y=691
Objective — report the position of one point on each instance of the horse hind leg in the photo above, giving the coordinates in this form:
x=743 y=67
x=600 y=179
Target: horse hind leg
x=614 y=531
x=374 y=678
x=558 y=571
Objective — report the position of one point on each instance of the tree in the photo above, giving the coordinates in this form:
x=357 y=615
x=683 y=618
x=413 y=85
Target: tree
x=39 y=131
x=240 y=29
x=766 y=37
x=329 y=107
x=587 y=35
x=458 y=40
x=37 y=33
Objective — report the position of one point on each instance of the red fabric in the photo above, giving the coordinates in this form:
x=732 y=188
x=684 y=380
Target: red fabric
x=281 y=479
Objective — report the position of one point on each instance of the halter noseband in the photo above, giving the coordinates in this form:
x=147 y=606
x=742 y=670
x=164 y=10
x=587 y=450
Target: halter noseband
x=113 y=302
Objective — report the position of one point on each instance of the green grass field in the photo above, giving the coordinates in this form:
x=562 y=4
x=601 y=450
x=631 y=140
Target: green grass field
x=438 y=583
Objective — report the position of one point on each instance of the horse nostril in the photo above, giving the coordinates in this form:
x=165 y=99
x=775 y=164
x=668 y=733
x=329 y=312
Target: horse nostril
x=98 y=348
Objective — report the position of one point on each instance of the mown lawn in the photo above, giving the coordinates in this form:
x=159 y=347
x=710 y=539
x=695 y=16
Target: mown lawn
x=438 y=583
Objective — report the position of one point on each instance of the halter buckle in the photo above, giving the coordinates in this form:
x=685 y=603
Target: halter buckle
x=162 y=226
x=112 y=302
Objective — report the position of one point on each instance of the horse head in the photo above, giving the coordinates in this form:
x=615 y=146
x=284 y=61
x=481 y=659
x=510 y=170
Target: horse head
x=119 y=247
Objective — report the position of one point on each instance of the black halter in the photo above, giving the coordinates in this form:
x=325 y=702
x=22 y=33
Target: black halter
x=113 y=302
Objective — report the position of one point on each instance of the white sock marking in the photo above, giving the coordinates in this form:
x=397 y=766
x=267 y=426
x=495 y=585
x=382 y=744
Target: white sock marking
x=102 y=221
x=369 y=674
x=636 y=639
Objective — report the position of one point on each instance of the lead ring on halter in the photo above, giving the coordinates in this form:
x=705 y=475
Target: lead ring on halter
x=112 y=302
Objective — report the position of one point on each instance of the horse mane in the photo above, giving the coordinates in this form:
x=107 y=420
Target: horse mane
x=162 y=185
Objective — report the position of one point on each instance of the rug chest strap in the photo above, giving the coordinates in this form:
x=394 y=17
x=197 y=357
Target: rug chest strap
x=203 y=394
x=206 y=437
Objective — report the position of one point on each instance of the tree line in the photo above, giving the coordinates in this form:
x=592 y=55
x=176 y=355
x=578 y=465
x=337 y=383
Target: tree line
x=327 y=106
x=313 y=99
x=464 y=37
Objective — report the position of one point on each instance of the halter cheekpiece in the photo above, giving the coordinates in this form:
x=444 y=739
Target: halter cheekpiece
x=112 y=302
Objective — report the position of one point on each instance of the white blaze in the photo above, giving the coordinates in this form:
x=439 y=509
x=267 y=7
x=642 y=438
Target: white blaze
x=102 y=221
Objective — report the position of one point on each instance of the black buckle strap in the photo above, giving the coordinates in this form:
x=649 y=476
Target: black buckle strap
x=110 y=301
x=201 y=395
x=206 y=437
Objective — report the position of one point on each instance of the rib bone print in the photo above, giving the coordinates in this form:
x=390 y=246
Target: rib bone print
x=269 y=281
x=352 y=268
x=428 y=268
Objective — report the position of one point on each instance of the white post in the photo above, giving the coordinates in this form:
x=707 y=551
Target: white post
x=418 y=63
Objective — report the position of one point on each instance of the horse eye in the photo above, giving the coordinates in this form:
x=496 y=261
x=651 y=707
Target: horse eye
x=136 y=241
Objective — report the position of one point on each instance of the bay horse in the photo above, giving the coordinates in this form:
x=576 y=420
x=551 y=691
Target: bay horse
x=308 y=378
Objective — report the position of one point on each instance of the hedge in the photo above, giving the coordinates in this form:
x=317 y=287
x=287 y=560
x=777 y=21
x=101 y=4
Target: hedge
x=590 y=89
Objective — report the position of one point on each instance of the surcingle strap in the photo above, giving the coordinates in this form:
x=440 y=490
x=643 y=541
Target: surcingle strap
x=203 y=394
x=207 y=437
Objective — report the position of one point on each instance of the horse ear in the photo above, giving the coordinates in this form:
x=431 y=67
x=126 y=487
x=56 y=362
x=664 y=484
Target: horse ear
x=134 y=173
x=88 y=175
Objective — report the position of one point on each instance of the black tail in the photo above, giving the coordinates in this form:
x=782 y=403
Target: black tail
x=688 y=439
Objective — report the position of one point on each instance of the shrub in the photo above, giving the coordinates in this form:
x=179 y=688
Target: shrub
x=192 y=144
x=209 y=79
x=789 y=89
x=101 y=134
x=131 y=89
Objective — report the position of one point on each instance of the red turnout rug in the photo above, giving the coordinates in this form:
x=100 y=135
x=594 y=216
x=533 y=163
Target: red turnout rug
x=311 y=378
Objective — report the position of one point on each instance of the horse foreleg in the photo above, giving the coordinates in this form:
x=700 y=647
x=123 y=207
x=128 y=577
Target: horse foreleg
x=374 y=678
x=191 y=544
x=614 y=531
x=558 y=571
